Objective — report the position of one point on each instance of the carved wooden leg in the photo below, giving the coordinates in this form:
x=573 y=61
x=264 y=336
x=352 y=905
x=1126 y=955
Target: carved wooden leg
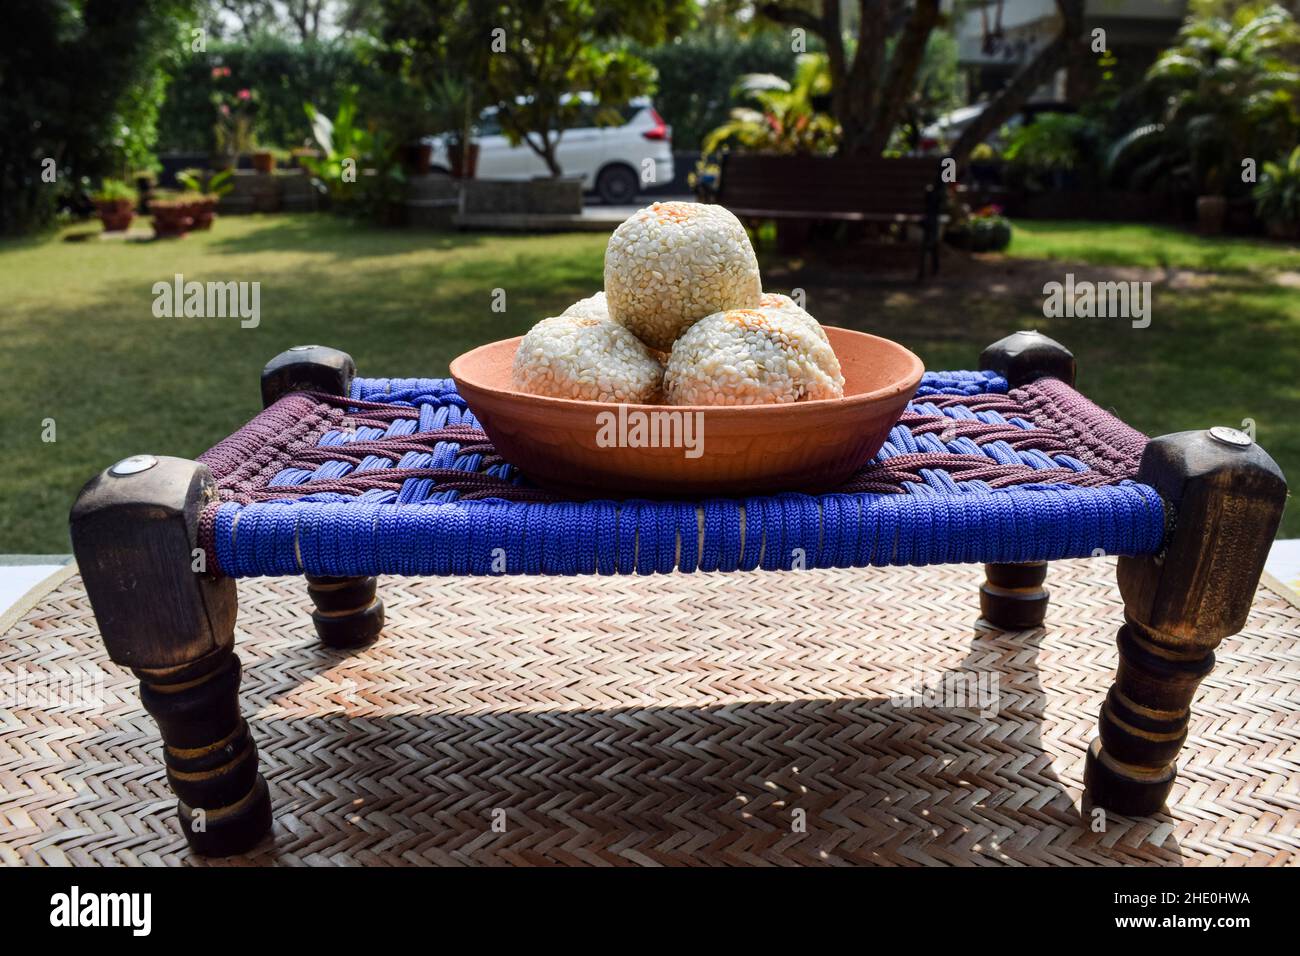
x=134 y=531
x=224 y=804
x=348 y=614
x=1225 y=495
x=1012 y=596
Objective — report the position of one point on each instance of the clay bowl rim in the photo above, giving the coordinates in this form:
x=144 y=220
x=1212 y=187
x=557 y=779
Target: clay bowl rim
x=906 y=384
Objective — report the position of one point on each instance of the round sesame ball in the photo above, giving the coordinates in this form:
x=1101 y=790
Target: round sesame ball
x=594 y=306
x=588 y=358
x=673 y=263
x=786 y=305
x=751 y=357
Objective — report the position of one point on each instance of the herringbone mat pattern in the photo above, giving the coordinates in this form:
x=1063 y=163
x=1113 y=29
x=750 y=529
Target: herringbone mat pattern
x=686 y=719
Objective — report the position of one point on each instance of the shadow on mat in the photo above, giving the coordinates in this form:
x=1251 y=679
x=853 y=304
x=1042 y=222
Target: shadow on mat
x=851 y=780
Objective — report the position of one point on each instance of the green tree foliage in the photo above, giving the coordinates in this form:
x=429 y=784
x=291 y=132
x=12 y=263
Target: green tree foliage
x=1277 y=196
x=553 y=50
x=1228 y=90
x=1054 y=145
x=80 y=84
x=358 y=162
x=783 y=118
x=698 y=72
x=282 y=73
x=528 y=59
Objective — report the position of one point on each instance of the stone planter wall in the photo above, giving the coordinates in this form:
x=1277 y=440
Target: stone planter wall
x=521 y=197
x=431 y=201
x=290 y=190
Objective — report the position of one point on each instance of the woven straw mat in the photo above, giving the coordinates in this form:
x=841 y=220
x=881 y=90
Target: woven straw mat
x=761 y=718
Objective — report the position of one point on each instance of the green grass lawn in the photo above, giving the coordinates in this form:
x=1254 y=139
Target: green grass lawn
x=83 y=347
x=1133 y=244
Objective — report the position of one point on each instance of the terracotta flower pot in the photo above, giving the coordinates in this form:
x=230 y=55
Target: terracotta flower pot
x=417 y=157
x=171 y=218
x=459 y=169
x=202 y=212
x=264 y=162
x=115 y=214
x=1211 y=211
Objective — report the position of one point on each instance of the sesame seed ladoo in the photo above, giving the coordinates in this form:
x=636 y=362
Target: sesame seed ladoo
x=589 y=358
x=672 y=263
x=683 y=317
x=751 y=357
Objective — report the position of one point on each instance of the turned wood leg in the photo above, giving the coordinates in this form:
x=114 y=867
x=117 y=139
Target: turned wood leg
x=1012 y=596
x=348 y=614
x=223 y=802
x=134 y=530
x=1224 y=495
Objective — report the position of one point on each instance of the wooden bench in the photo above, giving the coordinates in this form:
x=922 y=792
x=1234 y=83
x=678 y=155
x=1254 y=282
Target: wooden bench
x=799 y=190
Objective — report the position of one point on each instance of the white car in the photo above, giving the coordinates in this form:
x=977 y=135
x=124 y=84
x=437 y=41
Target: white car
x=617 y=162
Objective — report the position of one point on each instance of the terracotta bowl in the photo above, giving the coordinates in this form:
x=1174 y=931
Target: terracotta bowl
x=600 y=450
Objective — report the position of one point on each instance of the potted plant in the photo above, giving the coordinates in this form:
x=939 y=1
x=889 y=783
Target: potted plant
x=115 y=201
x=1211 y=206
x=407 y=121
x=452 y=112
x=1277 y=196
x=202 y=192
x=985 y=230
x=233 y=132
x=379 y=189
x=172 y=215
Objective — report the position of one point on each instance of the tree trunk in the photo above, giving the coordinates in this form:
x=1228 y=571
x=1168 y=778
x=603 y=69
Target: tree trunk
x=868 y=106
x=547 y=151
x=901 y=77
x=860 y=82
x=865 y=107
x=1067 y=45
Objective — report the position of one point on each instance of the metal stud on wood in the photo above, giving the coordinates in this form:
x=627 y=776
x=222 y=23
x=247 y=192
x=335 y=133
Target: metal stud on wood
x=1226 y=498
x=134 y=531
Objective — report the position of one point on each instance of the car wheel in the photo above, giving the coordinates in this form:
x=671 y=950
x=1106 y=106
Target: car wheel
x=617 y=185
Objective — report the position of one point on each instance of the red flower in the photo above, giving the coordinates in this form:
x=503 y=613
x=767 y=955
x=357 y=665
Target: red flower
x=225 y=110
x=245 y=94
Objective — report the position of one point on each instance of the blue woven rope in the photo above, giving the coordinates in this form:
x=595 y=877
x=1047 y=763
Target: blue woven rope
x=1024 y=523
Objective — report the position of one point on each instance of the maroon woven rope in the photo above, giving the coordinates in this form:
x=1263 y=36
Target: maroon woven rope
x=252 y=456
x=1094 y=436
x=287 y=435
